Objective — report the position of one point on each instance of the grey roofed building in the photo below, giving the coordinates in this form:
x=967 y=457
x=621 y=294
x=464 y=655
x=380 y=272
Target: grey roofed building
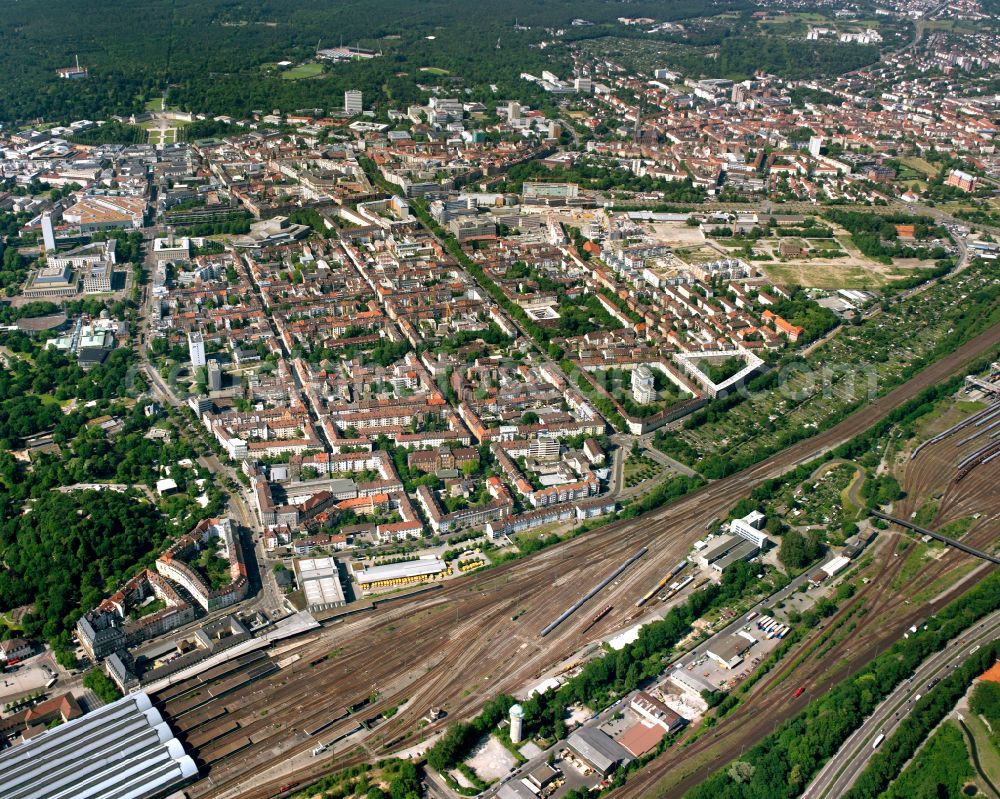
x=515 y=789
x=542 y=776
x=729 y=651
x=123 y=749
x=742 y=551
x=92 y=356
x=717 y=549
x=343 y=488
x=692 y=680
x=100 y=635
x=598 y=749
x=412 y=569
x=121 y=671
x=319 y=580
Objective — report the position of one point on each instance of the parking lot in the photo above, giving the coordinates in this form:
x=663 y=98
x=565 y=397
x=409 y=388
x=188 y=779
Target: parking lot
x=725 y=679
x=576 y=773
x=25 y=678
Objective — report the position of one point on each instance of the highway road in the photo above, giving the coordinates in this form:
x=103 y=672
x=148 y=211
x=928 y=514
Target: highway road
x=843 y=769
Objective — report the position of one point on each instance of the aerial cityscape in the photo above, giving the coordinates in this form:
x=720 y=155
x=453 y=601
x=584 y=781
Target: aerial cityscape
x=523 y=400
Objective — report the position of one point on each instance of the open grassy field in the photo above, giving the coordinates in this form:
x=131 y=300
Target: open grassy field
x=303 y=71
x=946 y=25
x=802 y=16
x=916 y=557
x=918 y=164
x=539 y=532
x=156 y=104
x=851 y=271
x=825 y=275
x=698 y=254
x=989 y=755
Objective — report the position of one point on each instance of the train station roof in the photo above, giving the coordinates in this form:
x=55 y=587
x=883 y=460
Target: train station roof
x=123 y=750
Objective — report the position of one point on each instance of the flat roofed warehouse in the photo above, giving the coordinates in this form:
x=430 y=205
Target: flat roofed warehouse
x=516 y=789
x=124 y=750
x=726 y=550
x=742 y=551
x=320 y=582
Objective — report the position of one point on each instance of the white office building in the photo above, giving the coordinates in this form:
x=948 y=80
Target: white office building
x=353 y=101
x=747 y=531
x=196 y=348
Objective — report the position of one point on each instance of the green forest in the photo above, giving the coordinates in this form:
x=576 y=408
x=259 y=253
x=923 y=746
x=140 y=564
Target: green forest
x=742 y=56
x=63 y=551
x=941 y=768
x=219 y=56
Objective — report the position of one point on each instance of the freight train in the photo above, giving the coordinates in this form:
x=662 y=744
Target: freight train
x=656 y=588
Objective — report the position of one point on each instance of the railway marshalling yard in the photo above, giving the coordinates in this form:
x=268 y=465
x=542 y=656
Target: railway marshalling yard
x=254 y=723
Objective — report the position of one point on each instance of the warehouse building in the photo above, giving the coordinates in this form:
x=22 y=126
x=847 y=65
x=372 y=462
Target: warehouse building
x=729 y=652
x=655 y=712
x=745 y=550
x=691 y=680
x=836 y=565
x=319 y=580
x=655 y=721
x=516 y=789
x=124 y=749
x=725 y=550
x=598 y=749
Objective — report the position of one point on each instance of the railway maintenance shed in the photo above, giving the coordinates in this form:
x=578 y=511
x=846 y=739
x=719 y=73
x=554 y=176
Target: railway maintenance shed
x=399 y=573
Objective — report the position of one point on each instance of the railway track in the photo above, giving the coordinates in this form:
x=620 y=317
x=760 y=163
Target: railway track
x=456 y=647
x=886 y=618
